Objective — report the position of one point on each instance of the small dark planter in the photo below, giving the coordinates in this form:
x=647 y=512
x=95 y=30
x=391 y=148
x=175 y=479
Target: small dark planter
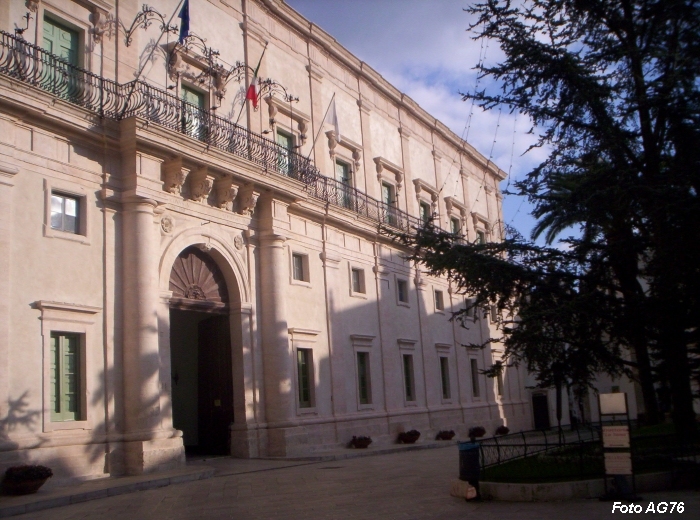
x=25 y=480
x=409 y=437
x=444 y=435
x=476 y=431
x=360 y=442
x=502 y=430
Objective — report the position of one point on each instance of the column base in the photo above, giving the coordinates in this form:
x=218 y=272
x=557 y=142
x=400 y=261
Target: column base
x=151 y=456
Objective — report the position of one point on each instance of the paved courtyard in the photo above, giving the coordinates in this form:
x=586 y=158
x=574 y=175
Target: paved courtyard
x=408 y=485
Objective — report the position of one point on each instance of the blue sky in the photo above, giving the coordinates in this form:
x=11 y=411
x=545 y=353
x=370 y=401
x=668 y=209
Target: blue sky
x=423 y=47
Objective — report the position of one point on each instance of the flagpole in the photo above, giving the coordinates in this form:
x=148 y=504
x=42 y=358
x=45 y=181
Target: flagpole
x=321 y=127
x=140 y=71
x=255 y=75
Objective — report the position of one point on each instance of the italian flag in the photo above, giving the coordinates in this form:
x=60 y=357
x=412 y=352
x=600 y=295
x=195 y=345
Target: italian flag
x=252 y=93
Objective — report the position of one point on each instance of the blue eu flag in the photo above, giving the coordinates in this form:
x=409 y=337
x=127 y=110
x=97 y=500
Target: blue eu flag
x=184 y=16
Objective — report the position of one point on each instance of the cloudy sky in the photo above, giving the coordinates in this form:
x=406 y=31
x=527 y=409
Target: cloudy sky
x=424 y=49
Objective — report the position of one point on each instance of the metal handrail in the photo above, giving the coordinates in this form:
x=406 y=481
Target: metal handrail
x=39 y=68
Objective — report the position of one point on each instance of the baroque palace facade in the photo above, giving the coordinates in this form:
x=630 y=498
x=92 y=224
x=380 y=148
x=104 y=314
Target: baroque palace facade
x=179 y=270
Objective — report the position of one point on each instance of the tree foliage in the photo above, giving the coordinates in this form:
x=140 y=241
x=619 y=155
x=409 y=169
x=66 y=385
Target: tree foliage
x=613 y=88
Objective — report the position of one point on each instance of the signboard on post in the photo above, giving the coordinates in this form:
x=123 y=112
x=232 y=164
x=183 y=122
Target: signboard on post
x=618 y=463
x=616 y=437
x=617 y=448
x=613 y=404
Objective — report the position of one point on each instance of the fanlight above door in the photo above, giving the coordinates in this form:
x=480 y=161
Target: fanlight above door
x=196 y=281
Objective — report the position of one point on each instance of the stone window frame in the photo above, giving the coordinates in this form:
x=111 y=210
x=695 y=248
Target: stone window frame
x=82 y=27
x=458 y=211
x=426 y=194
x=305 y=339
x=437 y=309
x=399 y=301
x=362 y=343
x=481 y=223
x=444 y=350
x=392 y=175
x=69 y=189
x=474 y=379
x=407 y=347
x=72 y=319
x=304 y=254
x=352 y=266
x=287 y=115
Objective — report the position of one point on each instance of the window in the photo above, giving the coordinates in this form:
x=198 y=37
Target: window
x=65 y=213
x=499 y=383
x=402 y=291
x=493 y=313
x=480 y=237
x=424 y=209
x=469 y=306
x=455 y=226
x=300 y=267
x=65 y=381
x=64 y=42
x=363 y=379
x=439 y=303
x=445 y=376
x=343 y=175
x=389 y=199
x=357 y=280
x=408 y=377
x=284 y=153
x=193 y=113
x=475 y=378
x=304 y=376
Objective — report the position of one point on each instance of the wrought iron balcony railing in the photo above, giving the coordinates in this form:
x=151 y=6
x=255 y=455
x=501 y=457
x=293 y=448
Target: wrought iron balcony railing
x=35 y=66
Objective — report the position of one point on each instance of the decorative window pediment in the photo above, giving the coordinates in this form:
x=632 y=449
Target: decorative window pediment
x=385 y=167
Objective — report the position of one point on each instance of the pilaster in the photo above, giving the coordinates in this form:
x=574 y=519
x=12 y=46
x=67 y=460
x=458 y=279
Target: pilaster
x=143 y=409
x=7 y=175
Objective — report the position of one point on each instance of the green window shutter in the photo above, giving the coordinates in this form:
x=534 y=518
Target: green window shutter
x=65 y=377
x=304 y=374
x=193 y=97
x=61 y=41
x=54 y=379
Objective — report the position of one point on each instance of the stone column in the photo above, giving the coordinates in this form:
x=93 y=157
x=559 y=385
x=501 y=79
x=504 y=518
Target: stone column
x=7 y=172
x=148 y=446
x=277 y=356
x=278 y=361
x=411 y=201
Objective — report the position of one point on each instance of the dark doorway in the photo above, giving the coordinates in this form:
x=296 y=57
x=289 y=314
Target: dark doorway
x=200 y=354
x=540 y=411
x=202 y=384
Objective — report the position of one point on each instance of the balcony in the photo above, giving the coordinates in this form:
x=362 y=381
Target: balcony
x=34 y=66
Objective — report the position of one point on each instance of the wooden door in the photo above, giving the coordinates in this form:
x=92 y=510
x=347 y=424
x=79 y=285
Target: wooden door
x=215 y=387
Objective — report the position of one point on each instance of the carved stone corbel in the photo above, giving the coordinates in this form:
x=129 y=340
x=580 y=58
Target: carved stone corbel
x=357 y=156
x=225 y=192
x=247 y=199
x=272 y=111
x=173 y=175
x=200 y=184
x=332 y=143
x=103 y=23
x=32 y=5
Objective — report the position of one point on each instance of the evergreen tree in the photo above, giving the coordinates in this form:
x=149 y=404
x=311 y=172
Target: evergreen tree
x=613 y=87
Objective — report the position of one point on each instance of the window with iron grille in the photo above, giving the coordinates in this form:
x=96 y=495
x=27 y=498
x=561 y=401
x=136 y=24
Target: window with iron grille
x=445 y=376
x=363 y=378
x=304 y=377
x=409 y=384
x=476 y=392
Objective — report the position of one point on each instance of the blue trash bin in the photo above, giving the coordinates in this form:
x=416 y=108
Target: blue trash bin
x=469 y=466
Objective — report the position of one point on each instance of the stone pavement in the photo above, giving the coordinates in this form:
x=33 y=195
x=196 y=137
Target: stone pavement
x=402 y=485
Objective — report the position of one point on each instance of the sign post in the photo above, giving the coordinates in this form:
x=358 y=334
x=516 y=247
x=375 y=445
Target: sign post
x=617 y=445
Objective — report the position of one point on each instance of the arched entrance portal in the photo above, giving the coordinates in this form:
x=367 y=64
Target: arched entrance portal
x=200 y=350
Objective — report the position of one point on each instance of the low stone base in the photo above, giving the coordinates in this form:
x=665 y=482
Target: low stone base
x=556 y=491
x=150 y=456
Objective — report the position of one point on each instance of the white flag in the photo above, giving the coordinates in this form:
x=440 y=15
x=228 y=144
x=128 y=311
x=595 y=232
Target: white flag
x=332 y=119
